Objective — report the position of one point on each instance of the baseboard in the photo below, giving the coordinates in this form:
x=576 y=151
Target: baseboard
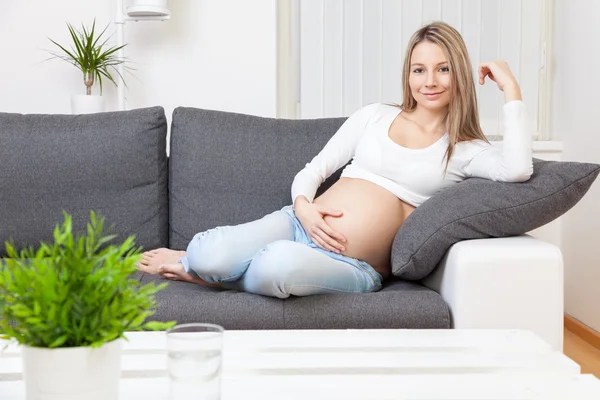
x=583 y=331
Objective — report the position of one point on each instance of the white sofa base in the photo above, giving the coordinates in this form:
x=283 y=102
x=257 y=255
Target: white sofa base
x=504 y=283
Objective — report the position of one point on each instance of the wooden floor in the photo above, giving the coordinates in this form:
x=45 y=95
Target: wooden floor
x=583 y=353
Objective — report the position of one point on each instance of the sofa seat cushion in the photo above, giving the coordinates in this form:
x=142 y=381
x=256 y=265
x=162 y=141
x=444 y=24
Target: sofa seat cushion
x=114 y=163
x=398 y=305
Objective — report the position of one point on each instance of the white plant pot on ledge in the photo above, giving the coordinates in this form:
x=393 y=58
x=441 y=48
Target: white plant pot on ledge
x=72 y=373
x=86 y=104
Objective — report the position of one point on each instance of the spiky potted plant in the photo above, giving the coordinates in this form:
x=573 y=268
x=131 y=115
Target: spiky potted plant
x=69 y=305
x=90 y=54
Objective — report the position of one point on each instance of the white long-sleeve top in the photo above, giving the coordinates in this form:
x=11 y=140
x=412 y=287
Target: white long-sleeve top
x=414 y=175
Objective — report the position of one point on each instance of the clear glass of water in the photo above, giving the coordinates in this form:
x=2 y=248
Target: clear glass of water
x=194 y=354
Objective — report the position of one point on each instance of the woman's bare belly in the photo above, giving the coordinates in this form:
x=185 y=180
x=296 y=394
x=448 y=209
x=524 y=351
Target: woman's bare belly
x=371 y=217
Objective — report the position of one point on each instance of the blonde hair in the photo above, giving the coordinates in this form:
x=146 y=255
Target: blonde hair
x=462 y=119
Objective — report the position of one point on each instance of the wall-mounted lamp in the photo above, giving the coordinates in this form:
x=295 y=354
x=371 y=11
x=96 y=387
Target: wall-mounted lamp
x=138 y=10
x=148 y=8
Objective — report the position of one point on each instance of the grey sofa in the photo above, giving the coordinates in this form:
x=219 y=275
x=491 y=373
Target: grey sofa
x=227 y=168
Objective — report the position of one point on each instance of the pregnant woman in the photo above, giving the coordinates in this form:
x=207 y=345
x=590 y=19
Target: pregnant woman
x=401 y=155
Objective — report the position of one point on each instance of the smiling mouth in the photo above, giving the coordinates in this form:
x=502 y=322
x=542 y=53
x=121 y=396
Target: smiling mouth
x=432 y=94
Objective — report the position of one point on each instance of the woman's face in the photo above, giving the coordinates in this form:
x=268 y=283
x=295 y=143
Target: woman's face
x=429 y=77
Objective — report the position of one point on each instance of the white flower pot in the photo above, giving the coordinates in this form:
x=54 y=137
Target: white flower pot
x=74 y=373
x=86 y=104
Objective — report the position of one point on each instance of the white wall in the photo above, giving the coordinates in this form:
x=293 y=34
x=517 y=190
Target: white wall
x=576 y=102
x=212 y=54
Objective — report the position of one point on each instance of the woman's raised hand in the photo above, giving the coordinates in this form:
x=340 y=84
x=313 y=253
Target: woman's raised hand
x=499 y=72
x=311 y=217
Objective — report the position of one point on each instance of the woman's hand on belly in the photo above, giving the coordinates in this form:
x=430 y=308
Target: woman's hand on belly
x=312 y=218
x=372 y=217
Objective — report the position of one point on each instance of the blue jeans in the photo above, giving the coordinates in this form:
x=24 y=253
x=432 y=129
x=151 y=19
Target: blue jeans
x=274 y=256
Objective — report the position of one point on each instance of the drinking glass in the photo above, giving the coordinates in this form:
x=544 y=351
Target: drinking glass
x=194 y=354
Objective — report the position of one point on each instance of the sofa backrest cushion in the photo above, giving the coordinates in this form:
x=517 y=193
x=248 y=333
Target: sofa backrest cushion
x=229 y=168
x=113 y=163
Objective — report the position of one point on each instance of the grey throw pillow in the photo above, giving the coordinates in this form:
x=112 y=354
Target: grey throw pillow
x=479 y=208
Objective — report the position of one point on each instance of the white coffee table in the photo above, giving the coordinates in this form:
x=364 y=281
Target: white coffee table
x=357 y=364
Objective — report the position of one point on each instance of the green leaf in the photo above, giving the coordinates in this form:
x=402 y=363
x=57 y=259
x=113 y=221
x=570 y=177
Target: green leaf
x=159 y=326
x=59 y=341
x=37 y=309
x=138 y=320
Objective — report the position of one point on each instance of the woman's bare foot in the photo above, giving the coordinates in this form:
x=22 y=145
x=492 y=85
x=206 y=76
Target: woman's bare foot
x=153 y=259
x=175 y=272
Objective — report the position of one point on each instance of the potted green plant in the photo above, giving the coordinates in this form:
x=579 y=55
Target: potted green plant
x=90 y=54
x=69 y=304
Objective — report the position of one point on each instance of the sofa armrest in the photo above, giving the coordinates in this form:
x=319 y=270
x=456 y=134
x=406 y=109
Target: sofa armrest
x=503 y=283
